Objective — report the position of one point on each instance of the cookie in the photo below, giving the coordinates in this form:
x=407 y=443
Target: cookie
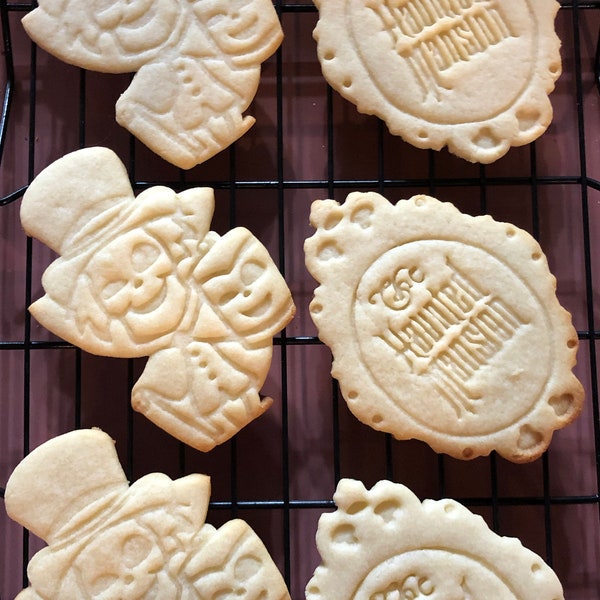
x=144 y=276
x=108 y=540
x=443 y=327
x=197 y=64
x=472 y=75
x=383 y=543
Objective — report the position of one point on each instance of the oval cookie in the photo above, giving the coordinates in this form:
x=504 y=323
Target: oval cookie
x=384 y=544
x=108 y=540
x=144 y=276
x=473 y=75
x=443 y=327
x=197 y=63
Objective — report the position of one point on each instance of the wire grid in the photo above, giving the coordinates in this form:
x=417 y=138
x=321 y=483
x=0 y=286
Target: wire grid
x=280 y=472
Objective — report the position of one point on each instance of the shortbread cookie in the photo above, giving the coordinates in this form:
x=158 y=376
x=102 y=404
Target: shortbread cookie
x=383 y=543
x=109 y=541
x=144 y=276
x=443 y=327
x=198 y=63
x=473 y=75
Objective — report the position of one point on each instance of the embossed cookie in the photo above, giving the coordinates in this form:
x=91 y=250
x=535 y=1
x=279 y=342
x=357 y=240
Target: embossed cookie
x=107 y=540
x=443 y=327
x=197 y=63
x=144 y=276
x=473 y=75
x=383 y=543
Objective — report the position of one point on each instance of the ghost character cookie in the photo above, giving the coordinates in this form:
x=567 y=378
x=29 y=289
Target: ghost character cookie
x=473 y=75
x=385 y=544
x=197 y=63
x=108 y=540
x=145 y=276
x=443 y=327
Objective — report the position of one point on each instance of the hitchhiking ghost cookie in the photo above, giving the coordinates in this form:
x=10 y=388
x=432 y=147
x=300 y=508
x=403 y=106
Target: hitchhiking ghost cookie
x=144 y=276
x=473 y=75
x=383 y=544
x=107 y=540
x=443 y=327
x=198 y=63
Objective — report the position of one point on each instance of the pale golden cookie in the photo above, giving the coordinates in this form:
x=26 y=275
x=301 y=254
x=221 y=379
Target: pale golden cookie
x=384 y=544
x=109 y=541
x=443 y=327
x=473 y=75
x=198 y=63
x=144 y=276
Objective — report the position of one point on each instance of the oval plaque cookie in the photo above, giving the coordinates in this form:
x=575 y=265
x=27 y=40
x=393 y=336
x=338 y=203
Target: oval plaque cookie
x=443 y=327
x=473 y=75
x=384 y=544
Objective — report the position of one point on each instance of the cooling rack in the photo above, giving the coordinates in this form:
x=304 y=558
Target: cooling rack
x=280 y=472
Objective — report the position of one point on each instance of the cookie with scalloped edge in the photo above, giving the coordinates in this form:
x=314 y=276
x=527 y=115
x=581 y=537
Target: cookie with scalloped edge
x=197 y=64
x=443 y=327
x=384 y=544
x=145 y=276
x=108 y=540
x=472 y=75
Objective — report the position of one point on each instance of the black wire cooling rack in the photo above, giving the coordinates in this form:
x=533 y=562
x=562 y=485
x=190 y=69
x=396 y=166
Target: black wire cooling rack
x=280 y=472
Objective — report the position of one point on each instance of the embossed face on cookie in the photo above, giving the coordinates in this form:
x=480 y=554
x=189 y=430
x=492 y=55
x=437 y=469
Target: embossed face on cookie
x=138 y=26
x=242 y=283
x=124 y=286
x=133 y=278
x=133 y=553
x=123 y=562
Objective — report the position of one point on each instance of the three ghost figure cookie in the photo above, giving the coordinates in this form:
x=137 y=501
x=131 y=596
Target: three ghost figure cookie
x=197 y=64
x=144 y=276
x=108 y=540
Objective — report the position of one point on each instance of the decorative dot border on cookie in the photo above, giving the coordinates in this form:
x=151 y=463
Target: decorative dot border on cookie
x=384 y=544
x=472 y=75
x=443 y=327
